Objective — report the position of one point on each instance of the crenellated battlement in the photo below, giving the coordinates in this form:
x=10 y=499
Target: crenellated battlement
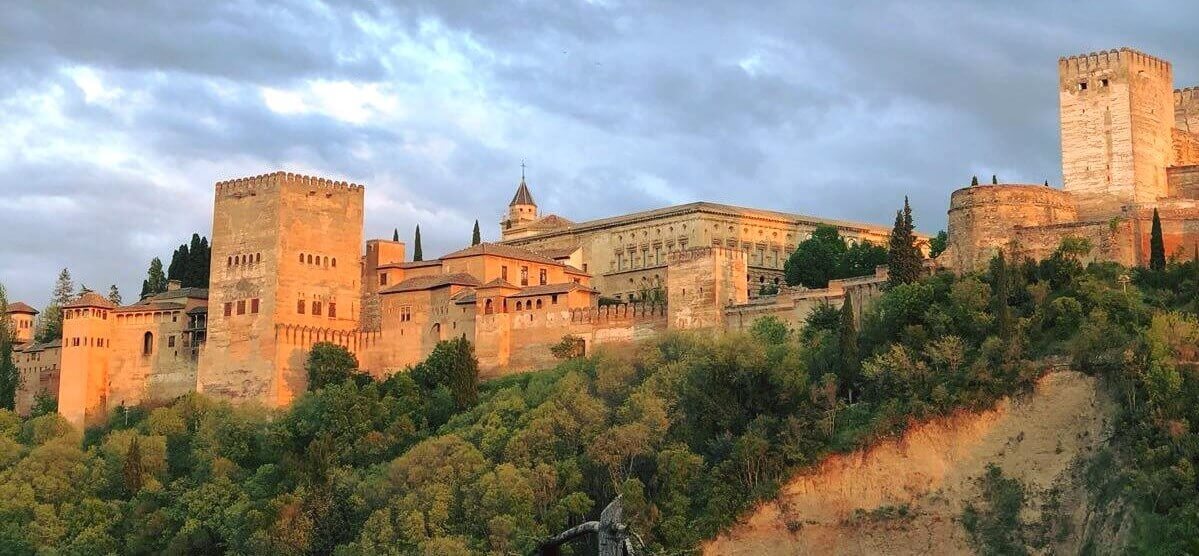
x=620 y=312
x=254 y=184
x=1112 y=59
x=1186 y=95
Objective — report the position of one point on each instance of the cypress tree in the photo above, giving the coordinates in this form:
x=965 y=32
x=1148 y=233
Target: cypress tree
x=9 y=377
x=132 y=472
x=1157 y=247
x=180 y=262
x=476 y=238
x=145 y=288
x=417 y=255
x=994 y=180
x=974 y=181
x=203 y=264
x=1002 y=282
x=1046 y=183
x=156 y=279
x=395 y=234
x=904 y=260
x=191 y=273
x=848 y=343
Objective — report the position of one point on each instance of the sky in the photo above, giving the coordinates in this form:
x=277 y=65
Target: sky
x=117 y=119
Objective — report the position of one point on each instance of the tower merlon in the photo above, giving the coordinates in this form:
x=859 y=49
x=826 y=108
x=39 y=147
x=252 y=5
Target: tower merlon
x=275 y=179
x=1111 y=59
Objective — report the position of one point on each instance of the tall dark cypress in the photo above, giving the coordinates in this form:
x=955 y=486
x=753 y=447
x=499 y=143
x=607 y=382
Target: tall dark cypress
x=179 y=262
x=203 y=264
x=395 y=234
x=850 y=360
x=417 y=255
x=994 y=179
x=904 y=259
x=974 y=180
x=476 y=238
x=1157 y=246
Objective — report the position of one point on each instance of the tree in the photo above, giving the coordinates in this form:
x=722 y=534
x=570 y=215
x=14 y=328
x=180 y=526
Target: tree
x=451 y=365
x=476 y=237
x=1046 y=183
x=50 y=324
x=1001 y=283
x=395 y=234
x=1157 y=247
x=848 y=346
x=937 y=245
x=417 y=255
x=329 y=363
x=133 y=471
x=114 y=295
x=9 y=378
x=815 y=259
x=974 y=181
x=904 y=260
x=994 y=180
x=860 y=259
x=156 y=279
x=180 y=260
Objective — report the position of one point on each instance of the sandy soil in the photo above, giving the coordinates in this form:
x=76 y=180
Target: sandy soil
x=932 y=470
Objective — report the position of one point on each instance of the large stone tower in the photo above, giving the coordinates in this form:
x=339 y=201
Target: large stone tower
x=286 y=255
x=86 y=342
x=1117 y=111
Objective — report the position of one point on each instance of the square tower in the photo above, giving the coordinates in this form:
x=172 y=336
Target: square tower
x=286 y=253
x=1117 y=112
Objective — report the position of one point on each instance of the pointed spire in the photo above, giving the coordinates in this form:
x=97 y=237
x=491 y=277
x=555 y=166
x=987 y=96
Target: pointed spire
x=522 y=197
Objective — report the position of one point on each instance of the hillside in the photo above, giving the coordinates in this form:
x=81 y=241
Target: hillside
x=907 y=496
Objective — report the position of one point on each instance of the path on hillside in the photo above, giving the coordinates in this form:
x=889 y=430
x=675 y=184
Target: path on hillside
x=931 y=472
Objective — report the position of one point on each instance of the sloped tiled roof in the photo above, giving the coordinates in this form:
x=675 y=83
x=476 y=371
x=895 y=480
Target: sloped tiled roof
x=522 y=197
x=18 y=307
x=501 y=250
x=550 y=222
x=500 y=283
x=152 y=304
x=547 y=289
x=188 y=293
x=435 y=281
x=573 y=270
x=91 y=299
x=412 y=264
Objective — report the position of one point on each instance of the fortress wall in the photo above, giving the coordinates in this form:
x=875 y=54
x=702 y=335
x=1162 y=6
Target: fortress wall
x=39 y=372
x=792 y=306
x=1186 y=152
x=701 y=283
x=983 y=219
x=167 y=372
x=1112 y=240
x=1186 y=109
x=1180 y=228
x=1184 y=181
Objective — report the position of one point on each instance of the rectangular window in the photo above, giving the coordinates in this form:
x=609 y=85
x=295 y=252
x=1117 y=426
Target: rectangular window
x=504 y=272
x=382 y=278
x=405 y=313
x=584 y=267
x=241 y=306
x=332 y=310
x=300 y=306
x=541 y=276
x=524 y=275
x=554 y=299
x=228 y=309
x=254 y=306
x=316 y=308
x=170 y=341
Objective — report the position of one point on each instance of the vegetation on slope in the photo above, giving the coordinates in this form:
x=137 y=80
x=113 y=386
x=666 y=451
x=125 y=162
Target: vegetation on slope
x=690 y=429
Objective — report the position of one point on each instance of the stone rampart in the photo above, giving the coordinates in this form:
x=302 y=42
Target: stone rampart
x=983 y=219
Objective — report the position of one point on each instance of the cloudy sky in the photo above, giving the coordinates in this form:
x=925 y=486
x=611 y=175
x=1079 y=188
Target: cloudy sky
x=116 y=121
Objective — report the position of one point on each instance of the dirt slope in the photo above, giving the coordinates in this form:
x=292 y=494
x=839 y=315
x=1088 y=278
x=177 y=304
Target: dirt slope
x=931 y=474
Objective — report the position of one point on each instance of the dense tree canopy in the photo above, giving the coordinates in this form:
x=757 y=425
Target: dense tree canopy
x=825 y=256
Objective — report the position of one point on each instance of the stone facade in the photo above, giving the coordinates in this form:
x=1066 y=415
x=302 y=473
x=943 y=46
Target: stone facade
x=1129 y=145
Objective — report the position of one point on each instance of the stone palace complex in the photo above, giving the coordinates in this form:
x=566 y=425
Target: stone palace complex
x=290 y=267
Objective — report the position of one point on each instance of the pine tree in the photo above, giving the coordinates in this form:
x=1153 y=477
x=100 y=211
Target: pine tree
x=1046 y=183
x=1157 y=247
x=114 y=295
x=417 y=255
x=133 y=472
x=974 y=181
x=50 y=323
x=145 y=288
x=9 y=377
x=156 y=279
x=994 y=180
x=904 y=260
x=395 y=234
x=848 y=344
x=476 y=238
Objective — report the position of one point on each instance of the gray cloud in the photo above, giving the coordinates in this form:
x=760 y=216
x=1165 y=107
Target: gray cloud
x=831 y=109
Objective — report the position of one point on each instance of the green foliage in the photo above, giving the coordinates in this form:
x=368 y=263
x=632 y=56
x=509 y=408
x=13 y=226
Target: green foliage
x=329 y=363
x=937 y=244
x=50 y=320
x=974 y=180
x=826 y=256
x=569 y=348
x=190 y=264
x=475 y=236
x=452 y=365
x=156 y=279
x=417 y=253
x=904 y=260
x=10 y=378
x=995 y=527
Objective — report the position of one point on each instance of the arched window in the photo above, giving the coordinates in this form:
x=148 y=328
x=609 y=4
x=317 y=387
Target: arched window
x=257 y=257
x=518 y=305
x=301 y=258
x=326 y=261
x=334 y=262
x=309 y=259
x=538 y=303
x=148 y=343
x=487 y=309
x=230 y=263
x=437 y=330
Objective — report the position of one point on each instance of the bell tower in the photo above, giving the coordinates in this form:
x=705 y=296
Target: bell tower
x=521 y=211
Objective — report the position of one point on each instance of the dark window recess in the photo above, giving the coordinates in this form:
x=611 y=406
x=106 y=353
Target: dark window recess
x=332 y=310
x=228 y=309
x=254 y=305
x=300 y=306
x=241 y=306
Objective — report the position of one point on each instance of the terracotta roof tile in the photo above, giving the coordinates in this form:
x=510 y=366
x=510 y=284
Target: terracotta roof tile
x=560 y=253
x=418 y=283
x=522 y=197
x=501 y=250
x=500 y=283
x=564 y=287
x=19 y=307
x=91 y=299
x=550 y=222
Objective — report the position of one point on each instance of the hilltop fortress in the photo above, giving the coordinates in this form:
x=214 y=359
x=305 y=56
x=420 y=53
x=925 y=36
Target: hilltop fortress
x=1130 y=144
x=290 y=267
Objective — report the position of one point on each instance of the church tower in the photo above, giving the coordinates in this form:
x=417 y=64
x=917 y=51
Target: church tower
x=521 y=211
